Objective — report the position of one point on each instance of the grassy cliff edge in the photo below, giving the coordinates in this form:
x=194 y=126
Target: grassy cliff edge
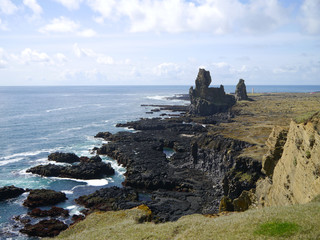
x=295 y=222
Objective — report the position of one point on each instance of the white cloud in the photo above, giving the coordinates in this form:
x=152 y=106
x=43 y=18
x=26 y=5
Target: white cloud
x=87 y=52
x=105 y=60
x=263 y=16
x=221 y=65
x=3 y=26
x=3 y=62
x=7 y=7
x=87 y=33
x=61 y=57
x=104 y=7
x=286 y=69
x=70 y=4
x=60 y=25
x=79 y=52
x=167 y=68
x=32 y=56
x=310 y=16
x=66 y=25
x=34 y=6
x=219 y=17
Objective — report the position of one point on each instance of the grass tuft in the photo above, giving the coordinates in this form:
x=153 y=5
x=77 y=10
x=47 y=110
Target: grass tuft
x=277 y=229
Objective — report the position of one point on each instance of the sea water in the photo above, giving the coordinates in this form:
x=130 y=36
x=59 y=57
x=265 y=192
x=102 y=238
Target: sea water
x=36 y=121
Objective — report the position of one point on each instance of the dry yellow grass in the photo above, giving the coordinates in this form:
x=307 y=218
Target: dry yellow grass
x=124 y=225
x=255 y=119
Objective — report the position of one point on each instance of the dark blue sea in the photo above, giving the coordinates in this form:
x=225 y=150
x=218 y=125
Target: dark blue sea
x=36 y=121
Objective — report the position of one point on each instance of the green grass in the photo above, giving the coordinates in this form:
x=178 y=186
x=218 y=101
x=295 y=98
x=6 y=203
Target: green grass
x=289 y=222
x=277 y=229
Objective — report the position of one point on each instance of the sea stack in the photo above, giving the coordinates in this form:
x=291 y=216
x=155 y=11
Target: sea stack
x=241 y=91
x=207 y=101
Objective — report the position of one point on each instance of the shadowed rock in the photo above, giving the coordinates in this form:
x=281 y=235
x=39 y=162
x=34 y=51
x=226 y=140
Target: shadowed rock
x=10 y=192
x=45 y=228
x=207 y=101
x=53 y=212
x=43 y=197
x=63 y=157
x=241 y=91
x=89 y=168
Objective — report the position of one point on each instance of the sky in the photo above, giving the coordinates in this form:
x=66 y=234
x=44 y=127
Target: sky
x=159 y=42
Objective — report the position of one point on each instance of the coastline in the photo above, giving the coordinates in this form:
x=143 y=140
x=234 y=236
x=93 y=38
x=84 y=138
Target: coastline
x=224 y=124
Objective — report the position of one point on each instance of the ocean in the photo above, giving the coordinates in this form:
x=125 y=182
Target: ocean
x=36 y=121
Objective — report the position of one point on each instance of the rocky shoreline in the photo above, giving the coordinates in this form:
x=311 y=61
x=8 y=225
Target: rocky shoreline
x=204 y=174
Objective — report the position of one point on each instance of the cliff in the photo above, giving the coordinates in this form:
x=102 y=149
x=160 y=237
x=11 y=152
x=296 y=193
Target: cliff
x=296 y=175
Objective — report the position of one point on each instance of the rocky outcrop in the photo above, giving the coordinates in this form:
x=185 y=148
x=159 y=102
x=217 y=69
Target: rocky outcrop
x=43 y=197
x=202 y=170
x=87 y=169
x=111 y=199
x=53 y=212
x=275 y=143
x=207 y=101
x=63 y=157
x=241 y=91
x=296 y=177
x=45 y=228
x=8 y=192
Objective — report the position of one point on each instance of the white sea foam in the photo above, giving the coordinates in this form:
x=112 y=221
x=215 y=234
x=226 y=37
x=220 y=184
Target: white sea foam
x=74 y=209
x=23 y=154
x=19 y=156
x=67 y=191
x=62 y=108
x=157 y=97
x=90 y=182
x=5 y=162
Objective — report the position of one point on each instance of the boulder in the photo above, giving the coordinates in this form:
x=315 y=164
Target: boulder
x=226 y=205
x=53 y=212
x=207 y=101
x=104 y=135
x=241 y=91
x=244 y=201
x=43 y=197
x=10 y=192
x=63 y=157
x=45 y=228
x=85 y=170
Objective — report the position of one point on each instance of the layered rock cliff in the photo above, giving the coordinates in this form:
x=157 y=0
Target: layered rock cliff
x=296 y=176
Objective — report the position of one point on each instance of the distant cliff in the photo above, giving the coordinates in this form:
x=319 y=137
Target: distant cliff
x=207 y=101
x=296 y=175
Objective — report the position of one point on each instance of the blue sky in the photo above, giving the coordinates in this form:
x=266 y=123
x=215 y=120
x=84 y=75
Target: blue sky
x=113 y=42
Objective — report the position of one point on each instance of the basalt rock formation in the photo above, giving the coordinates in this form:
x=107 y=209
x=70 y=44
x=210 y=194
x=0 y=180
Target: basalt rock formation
x=201 y=171
x=296 y=176
x=43 y=197
x=8 y=192
x=63 y=157
x=45 y=228
x=241 y=91
x=88 y=168
x=207 y=101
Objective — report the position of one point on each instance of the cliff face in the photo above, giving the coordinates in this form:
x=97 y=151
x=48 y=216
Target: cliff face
x=296 y=176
